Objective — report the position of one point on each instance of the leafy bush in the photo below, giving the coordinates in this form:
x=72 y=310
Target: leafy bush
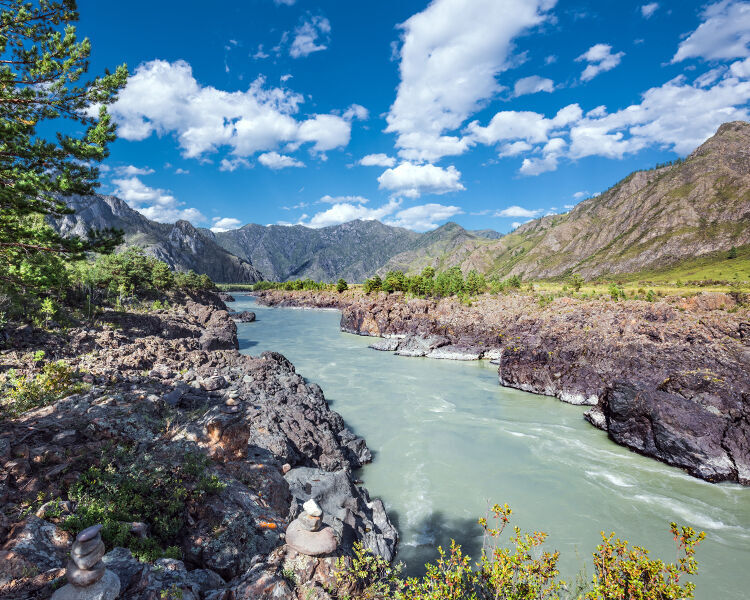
x=524 y=571
x=576 y=282
x=131 y=273
x=25 y=392
x=373 y=285
x=395 y=281
x=623 y=572
x=616 y=292
x=126 y=488
x=341 y=286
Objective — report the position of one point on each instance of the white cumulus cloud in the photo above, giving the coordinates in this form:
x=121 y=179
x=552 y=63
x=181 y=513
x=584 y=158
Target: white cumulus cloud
x=723 y=34
x=232 y=164
x=517 y=211
x=377 y=160
x=343 y=212
x=274 y=160
x=356 y=111
x=532 y=85
x=423 y=217
x=327 y=199
x=164 y=98
x=225 y=224
x=131 y=170
x=600 y=59
x=313 y=35
x=155 y=204
x=647 y=10
x=450 y=57
x=410 y=180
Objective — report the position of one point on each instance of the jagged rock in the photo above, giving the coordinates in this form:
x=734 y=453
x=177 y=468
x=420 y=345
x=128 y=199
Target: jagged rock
x=451 y=352
x=123 y=564
x=39 y=542
x=421 y=346
x=346 y=508
x=278 y=419
x=245 y=316
x=386 y=345
x=216 y=382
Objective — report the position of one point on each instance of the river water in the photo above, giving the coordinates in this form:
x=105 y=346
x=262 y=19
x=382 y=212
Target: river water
x=447 y=441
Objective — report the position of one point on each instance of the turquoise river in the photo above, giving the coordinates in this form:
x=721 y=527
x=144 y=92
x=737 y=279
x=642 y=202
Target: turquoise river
x=447 y=441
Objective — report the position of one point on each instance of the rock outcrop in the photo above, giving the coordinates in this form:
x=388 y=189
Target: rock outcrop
x=157 y=389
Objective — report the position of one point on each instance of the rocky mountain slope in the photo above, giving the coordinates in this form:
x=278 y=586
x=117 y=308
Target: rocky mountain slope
x=351 y=250
x=446 y=246
x=650 y=219
x=180 y=245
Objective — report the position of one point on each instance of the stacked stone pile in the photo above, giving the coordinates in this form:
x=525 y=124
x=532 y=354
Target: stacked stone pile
x=305 y=534
x=88 y=578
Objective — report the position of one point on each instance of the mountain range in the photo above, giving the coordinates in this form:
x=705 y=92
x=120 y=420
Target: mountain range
x=650 y=219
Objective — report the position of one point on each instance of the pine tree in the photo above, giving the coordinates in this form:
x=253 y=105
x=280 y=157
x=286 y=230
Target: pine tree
x=41 y=66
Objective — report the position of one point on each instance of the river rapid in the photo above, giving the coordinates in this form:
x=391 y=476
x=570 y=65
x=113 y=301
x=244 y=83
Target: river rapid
x=448 y=441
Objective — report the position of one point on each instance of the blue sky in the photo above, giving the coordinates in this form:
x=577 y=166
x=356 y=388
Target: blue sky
x=484 y=112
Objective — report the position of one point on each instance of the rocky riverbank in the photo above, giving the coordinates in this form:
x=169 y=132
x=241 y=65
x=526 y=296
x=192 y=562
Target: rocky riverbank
x=236 y=444
x=668 y=379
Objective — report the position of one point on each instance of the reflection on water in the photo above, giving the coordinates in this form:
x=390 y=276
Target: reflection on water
x=448 y=440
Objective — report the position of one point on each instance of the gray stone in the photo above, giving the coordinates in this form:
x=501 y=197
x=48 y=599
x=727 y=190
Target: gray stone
x=451 y=352
x=107 y=588
x=84 y=577
x=87 y=561
x=123 y=564
x=83 y=548
x=88 y=533
x=386 y=345
x=173 y=398
x=216 y=382
x=308 y=522
x=311 y=543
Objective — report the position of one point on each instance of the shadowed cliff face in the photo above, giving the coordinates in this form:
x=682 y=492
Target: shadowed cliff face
x=649 y=219
x=181 y=245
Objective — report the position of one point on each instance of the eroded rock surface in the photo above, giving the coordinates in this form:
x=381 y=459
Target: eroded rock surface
x=669 y=379
x=155 y=388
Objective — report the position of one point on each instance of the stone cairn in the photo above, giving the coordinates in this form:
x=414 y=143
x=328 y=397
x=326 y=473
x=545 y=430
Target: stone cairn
x=88 y=578
x=307 y=535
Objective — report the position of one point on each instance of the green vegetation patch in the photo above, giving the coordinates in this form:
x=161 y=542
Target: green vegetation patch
x=20 y=393
x=126 y=488
x=523 y=570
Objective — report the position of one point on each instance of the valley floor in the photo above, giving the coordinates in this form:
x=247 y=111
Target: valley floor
x=668 y=379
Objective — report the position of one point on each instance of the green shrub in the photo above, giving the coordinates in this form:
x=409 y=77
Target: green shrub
x=126 y=488
x=616 y=292
x=341 y=286
x=576 y=282
x=522 y=570
x=25 y=392
x=373 y=285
